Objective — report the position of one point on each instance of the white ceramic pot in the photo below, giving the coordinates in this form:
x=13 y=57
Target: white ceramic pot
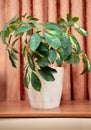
x=50 y=94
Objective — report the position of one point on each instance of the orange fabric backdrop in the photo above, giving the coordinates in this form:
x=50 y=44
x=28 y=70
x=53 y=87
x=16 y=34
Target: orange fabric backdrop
x=76 y=87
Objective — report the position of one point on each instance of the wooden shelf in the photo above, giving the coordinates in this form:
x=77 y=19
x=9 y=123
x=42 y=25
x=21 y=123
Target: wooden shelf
x=66 y=109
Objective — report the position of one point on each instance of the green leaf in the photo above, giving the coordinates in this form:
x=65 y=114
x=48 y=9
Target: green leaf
x=68 y=17
x=12 y=61
x=35 y=41
x=52 y=26
x=13 y=20
x=3 y=37
x=70 y=23
x=22 y=29
x=87 y=64
x=35 y=81
x=46 y=74
x=27 y=78
x=43 y=47
x=52 y=70
x=25 y=49
x=75 y=19
x=43 y=62
x=52 y=55
x=66 y=52
x=53 y=41
x=73 y=59
x=13 y=27
x=32 y=21
x=14 y=56
x=14 y=49
x=53 y=32
x=75 y=43
x=61 y=20
x=23 y=16
x=65 y=41
x=42 y=50
x=30 y=61
x=80 y=30
x=59 y=59
x=13 y=43
x=9 y=41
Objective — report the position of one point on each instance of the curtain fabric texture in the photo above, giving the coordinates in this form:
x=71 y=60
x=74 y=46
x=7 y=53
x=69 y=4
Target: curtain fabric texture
x=76 y=86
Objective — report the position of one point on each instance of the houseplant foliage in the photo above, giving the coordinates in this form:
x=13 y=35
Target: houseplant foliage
x=44 y=44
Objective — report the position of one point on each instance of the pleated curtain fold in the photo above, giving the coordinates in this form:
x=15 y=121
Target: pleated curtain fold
x=76 y=86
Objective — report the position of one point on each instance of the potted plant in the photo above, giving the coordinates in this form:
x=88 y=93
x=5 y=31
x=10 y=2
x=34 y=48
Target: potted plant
x=44 y=44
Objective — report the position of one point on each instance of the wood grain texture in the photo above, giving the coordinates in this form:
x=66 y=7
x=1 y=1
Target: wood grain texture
x=88 y=43
x=13 y=75
x=78 y=80
x=67 y=109
x=66 y=94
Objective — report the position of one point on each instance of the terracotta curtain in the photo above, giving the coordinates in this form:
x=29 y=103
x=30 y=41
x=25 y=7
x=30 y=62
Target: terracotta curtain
x=76 y=87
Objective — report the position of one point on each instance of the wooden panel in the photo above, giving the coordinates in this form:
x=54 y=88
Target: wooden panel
x=13 y=75
x=67 y=109
x=2 y=55
x=88 y=25
x=66 y=94
x=77 y=79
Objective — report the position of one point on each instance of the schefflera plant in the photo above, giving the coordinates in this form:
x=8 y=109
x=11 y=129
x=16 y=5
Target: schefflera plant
x=45 y=43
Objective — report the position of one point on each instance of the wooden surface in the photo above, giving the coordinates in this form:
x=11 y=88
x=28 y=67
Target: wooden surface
x=66 y=109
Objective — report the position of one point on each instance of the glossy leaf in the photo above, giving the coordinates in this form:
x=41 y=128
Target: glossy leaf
x=53 y=41
x=66 y=52
x=12 y=61
x=73 y=59
x=52 y=55
x=22 y=29
x=52 y=26
x=80 y=30
x=25 y=49
x=30 y=61
x=43 y=62
x=75 y=43
x=52 y=70
x=27 y=78
x=64 y=41
x=75 y=19
x=46 y=74
x=61 y=20
x=53 y=32
x=35 y=81
x=3 y=37
x=14 y=56
x=35 y=41
x=87 y=64
x=15 y=50
x=13 y=43
x=13 y=20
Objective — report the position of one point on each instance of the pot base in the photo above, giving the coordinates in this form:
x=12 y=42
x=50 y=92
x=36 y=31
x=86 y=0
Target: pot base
x=50 y=95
